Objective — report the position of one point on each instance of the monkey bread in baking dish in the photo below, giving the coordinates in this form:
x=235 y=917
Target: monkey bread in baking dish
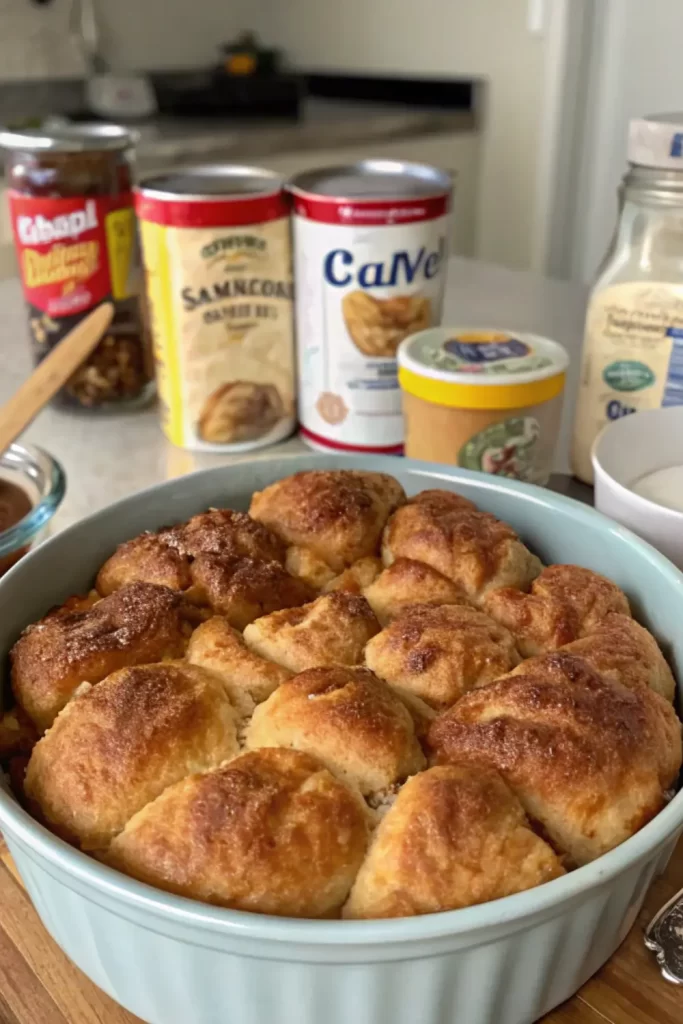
x=348 y=702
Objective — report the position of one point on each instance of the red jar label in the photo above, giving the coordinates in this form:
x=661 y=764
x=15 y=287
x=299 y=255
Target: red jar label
x=69 y=249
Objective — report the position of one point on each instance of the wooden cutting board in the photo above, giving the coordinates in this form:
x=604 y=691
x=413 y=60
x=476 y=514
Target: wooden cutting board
x=39 y=985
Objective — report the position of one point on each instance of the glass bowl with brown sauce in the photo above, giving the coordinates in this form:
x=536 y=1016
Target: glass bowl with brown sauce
x=32 y=485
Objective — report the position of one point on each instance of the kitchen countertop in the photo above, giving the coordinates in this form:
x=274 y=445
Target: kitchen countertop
x=109 y=457
x=323 y=123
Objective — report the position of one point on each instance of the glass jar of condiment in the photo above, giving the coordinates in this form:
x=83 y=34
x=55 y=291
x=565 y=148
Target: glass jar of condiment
x=633 y=341
x=71 y=207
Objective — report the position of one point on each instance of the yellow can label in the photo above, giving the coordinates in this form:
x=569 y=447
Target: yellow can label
x=119 y=227
x=220 y=301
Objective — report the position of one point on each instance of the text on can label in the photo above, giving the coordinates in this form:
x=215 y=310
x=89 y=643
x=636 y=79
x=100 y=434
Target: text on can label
x=384 y=274
x=39 y=230
x=615 y=409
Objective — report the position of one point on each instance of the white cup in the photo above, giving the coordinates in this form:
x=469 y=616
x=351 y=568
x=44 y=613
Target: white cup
x=627 y=450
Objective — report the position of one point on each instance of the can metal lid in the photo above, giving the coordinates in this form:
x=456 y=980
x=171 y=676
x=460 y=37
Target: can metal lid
x=657 y=141
x=372 y=181
x=218 y=181
x=69 y=138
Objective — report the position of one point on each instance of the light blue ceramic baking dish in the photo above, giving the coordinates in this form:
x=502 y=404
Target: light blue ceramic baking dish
x=173 y=961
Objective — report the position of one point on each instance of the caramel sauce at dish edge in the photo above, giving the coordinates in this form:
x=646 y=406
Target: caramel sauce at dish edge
x=14 y=505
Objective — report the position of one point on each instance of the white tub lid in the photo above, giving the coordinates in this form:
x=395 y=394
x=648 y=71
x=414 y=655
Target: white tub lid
x=476 y=355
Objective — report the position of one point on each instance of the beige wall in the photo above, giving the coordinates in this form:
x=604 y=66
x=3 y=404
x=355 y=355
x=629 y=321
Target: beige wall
x=636 y=70
x=35 y=41
x=481 y=38
x=158 y=34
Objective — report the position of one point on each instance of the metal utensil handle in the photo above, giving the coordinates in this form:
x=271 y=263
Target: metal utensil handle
x=664 y=936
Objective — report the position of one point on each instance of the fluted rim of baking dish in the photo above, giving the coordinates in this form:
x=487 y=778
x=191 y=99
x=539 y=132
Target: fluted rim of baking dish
x=507 y=911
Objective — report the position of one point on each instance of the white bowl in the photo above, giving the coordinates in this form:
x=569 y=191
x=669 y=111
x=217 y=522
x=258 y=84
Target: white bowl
x=171 y=960
x=628 y=450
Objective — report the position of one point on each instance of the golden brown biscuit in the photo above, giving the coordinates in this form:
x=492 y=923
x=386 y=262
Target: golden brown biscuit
x=118 y=745
x=165 y=557
x=405 y=583
x=140 y=623
x=271 y=832
x=588 y=758
x=474 y=549
x=220 y=559
x=221 y=531
x=303 y=564
x=332 y=630
x=357 y=577
x=439 y=653
x=144 y=559
x=242 y=589
x=565 y=602
x=348 y=719
x=338 y=514
x=240 y=411
x=623 y=650
x=443 y=502
x=378 y=326
x=455 y=836
x=248 y=679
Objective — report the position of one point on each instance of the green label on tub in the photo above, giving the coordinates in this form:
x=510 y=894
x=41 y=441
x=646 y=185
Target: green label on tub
x=628 y=375
x=506 y=449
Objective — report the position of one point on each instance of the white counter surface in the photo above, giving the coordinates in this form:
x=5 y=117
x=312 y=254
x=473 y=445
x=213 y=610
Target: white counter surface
x=108 y=457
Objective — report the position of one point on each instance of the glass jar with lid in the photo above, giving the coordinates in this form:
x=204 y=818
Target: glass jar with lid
x=633 y=344
x=71 y=208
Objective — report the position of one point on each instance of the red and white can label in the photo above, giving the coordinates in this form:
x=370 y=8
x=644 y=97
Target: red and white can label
x=368 y=274
x=67 y=250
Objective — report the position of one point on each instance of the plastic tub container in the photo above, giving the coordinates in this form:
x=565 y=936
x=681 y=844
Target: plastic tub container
x=482 y=399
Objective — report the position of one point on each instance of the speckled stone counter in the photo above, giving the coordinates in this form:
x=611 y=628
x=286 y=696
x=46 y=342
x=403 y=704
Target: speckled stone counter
x=323 y=123
x=108 y=457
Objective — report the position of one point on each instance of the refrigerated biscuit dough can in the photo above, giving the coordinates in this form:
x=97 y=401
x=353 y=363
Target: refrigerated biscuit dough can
x=218 y=272
x=370 y=252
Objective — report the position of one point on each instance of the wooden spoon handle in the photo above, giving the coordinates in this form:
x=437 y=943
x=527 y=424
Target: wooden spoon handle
x=52 y=373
